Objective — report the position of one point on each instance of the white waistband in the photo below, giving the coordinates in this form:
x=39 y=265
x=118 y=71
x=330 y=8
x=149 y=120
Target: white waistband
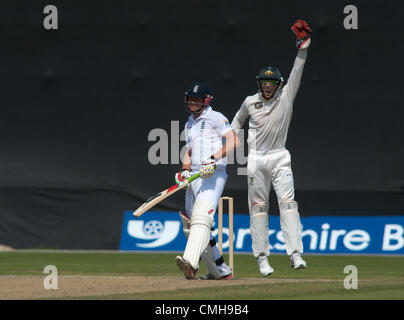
x=267 y=151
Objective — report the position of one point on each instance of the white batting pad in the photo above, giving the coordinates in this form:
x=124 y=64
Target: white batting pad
x=198 y=240
x=186 y=223
x=209 y=261
x=201 y=223
x=259 y=233
x=291 y=227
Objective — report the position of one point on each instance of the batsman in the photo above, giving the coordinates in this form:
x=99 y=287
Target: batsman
x=209 y=138
x=269 y=162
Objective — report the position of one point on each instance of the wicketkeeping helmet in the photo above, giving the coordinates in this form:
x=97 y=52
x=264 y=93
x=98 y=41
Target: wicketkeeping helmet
x=269 y=74
x=198 y=90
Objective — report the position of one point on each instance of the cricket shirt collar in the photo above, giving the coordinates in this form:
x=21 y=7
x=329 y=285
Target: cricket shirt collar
x=204 y=114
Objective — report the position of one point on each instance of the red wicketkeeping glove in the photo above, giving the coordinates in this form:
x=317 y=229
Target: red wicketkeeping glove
x=302 y=31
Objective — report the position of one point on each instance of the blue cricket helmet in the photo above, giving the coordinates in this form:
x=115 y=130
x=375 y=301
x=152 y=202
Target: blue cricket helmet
x=198 y=90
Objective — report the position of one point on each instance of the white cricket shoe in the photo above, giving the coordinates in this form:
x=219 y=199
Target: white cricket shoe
x=265 y=269
x=297 y=262
x=225 y=271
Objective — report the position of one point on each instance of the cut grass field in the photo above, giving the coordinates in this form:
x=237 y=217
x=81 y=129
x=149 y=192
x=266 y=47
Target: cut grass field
x=119 y=275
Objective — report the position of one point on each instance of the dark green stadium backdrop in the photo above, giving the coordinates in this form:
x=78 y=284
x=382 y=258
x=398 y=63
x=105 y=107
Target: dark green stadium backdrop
x=78 y=104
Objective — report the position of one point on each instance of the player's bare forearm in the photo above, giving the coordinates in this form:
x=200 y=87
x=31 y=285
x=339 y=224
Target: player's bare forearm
x=186 y=161
x=231 y=143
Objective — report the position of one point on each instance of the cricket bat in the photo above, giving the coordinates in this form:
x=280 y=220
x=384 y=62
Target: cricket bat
x=152 y=201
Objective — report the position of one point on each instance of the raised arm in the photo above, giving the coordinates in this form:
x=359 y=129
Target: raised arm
x=302 y=32
x=296 y=74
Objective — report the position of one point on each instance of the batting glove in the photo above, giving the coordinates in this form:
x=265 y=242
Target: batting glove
x=182 y=176
x=302 y=32
x=208 y=168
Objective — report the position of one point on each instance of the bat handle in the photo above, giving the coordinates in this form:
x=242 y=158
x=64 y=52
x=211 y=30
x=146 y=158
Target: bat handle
x=194 y=177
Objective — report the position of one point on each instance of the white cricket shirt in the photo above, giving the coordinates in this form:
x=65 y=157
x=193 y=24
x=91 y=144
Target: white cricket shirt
x=204 y=136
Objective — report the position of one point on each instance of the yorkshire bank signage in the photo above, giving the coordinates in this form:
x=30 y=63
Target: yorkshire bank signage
x=162 y=231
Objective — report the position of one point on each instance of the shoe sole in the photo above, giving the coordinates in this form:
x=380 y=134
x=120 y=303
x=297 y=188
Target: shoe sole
x=228 y=277
x=268 y=274
x=302 y=266
x=185 y=268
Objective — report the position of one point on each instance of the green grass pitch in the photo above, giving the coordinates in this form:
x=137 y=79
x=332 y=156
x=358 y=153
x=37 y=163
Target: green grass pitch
x=379 y=277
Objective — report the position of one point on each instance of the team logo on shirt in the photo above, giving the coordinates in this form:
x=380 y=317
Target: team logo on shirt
x=258 y=105
x=189 y=125
x=227 y=123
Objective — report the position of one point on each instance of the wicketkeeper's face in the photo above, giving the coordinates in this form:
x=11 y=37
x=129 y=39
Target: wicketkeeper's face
x=269 y=88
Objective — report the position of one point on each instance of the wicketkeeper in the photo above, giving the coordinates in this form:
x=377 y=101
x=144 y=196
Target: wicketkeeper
x=209 y=137
x=269 y=162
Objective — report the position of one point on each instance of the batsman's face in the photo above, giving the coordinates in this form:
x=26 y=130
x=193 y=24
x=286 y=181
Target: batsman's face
x=269 y=88
x=195 y=104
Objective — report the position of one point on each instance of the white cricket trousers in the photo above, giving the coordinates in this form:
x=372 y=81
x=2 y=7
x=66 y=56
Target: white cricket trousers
x=201 y=201
x=210 y=189
x=266 y=168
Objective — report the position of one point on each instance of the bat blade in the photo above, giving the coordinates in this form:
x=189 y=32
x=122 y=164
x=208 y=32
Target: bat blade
x=157 y=198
